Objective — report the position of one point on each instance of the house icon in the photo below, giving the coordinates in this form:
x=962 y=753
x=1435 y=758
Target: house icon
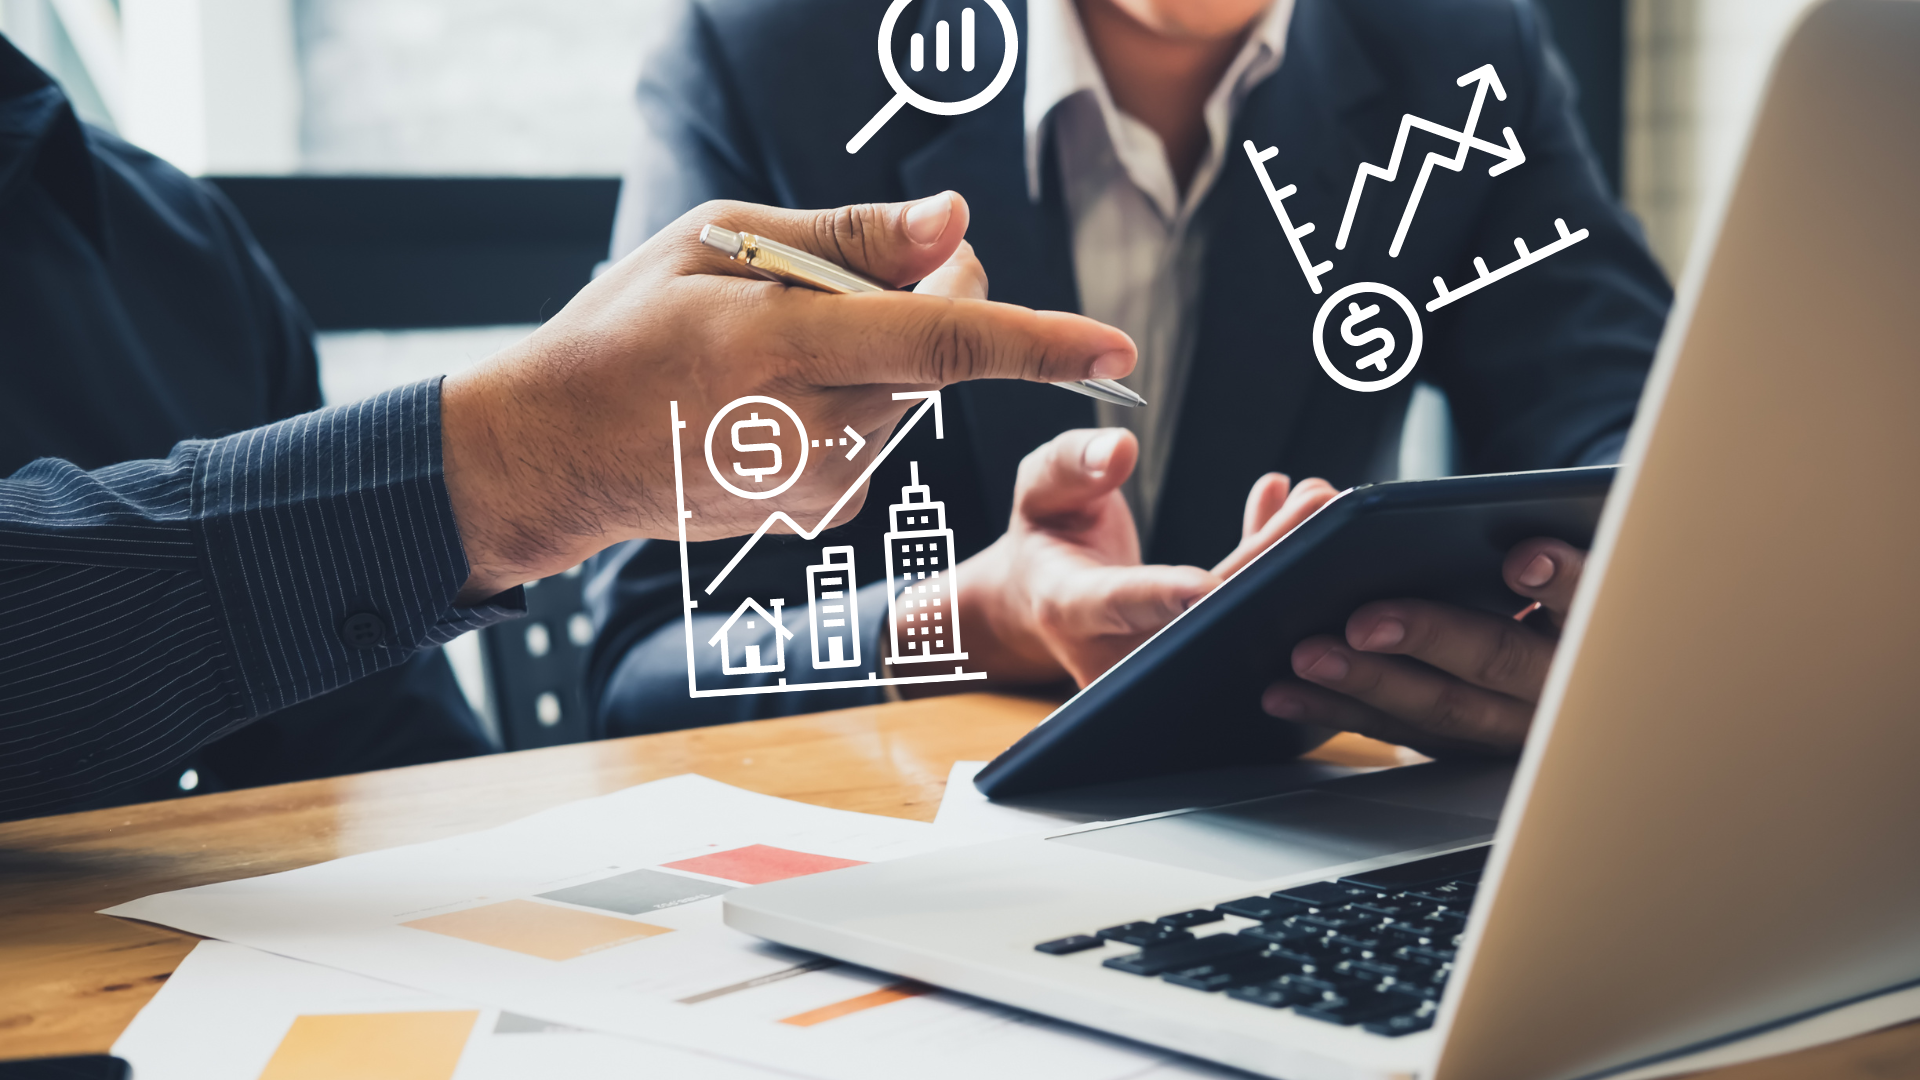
x=749 y=662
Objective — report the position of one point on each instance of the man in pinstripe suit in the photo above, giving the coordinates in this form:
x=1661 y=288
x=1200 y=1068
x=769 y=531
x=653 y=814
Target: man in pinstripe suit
x=149 y=606
x=138 y=313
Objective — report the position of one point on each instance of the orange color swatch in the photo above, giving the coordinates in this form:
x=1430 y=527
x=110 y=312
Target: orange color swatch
x=372 y=1046
x=759 y=864
x=548 y=931
x=899 y=991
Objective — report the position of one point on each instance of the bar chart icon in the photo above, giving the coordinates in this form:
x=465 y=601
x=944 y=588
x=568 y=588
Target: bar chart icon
x=942 y=49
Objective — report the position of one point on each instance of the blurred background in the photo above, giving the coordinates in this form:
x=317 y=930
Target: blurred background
x=435 y=177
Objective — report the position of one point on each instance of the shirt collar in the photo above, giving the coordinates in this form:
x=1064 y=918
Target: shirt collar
x=1061 y=64
x=40 y=137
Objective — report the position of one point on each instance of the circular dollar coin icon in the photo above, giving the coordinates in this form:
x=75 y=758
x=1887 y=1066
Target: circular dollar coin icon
x=1355 y=330
x=755 y=461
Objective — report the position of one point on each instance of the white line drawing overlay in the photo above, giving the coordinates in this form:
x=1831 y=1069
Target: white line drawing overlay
x=1277 y=199
x=1510 y=155
x=753 y=424
x=1358 y=313
x=922 y=595
x=750 y=662
x=1485 y=79
x=1486 y=278
x=833 y=609
x=822 y=576
x=906 y=95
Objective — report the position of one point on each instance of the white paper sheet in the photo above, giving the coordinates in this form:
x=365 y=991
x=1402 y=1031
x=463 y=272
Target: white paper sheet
x=963 y=807
x=554 y=917
x=229 y=1009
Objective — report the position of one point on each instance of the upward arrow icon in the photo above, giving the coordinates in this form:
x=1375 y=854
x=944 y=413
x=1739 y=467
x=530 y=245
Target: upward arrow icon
x=1509 y=156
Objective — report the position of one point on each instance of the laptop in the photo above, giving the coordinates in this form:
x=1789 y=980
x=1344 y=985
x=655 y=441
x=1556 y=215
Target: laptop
x=1715 y=826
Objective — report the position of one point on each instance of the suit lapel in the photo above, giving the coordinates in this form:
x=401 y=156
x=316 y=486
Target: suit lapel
x=1253 y=372
x=1028 y=254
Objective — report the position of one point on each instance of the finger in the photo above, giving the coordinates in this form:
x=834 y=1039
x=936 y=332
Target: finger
x=960 y=276
x=903 y=338
x=892 y=243
x=1306 y=703
x=1264 y=501
x=1119 y=600
x=1489 y=651
x=1547 y=571
x=1301 y=503
x=1072 y=471
x=1431 y=701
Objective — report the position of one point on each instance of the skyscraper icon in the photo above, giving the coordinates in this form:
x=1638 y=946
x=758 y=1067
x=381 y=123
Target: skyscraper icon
x=920 y=582
x=833 y=609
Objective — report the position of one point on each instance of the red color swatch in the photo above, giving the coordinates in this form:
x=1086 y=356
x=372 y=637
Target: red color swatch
x=759 y=864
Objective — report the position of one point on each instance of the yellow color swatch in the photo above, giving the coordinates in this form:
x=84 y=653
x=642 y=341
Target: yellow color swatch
x=372 y=1046
x=897 y=992
x=548 y=931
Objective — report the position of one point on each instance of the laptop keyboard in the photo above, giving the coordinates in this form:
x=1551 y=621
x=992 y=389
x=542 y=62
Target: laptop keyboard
x=1371 y=949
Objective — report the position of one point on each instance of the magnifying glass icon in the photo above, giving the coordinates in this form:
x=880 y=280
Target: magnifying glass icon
x=906 y=95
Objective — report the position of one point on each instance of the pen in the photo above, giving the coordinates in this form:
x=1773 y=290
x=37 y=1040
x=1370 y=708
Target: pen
x=796 y=267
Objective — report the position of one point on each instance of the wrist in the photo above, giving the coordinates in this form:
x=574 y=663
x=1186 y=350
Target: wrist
x=507 y=529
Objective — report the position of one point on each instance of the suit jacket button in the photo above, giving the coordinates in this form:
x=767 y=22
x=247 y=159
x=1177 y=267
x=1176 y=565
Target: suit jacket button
x=363 y=630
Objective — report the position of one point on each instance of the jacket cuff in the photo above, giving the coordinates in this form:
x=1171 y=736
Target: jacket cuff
x=331 y=544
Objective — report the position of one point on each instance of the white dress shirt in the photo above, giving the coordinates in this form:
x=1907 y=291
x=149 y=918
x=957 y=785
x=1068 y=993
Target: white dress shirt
x=1136 y=254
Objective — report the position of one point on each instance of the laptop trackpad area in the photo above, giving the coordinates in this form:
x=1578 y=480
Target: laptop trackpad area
x=1287 y=834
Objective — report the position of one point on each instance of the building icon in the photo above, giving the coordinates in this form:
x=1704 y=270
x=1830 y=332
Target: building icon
x=833 y=610
x=749 y=662
x=920 y=583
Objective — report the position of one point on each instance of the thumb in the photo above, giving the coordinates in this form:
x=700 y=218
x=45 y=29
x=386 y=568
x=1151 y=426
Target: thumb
x=893 y=243
x=1073 y=471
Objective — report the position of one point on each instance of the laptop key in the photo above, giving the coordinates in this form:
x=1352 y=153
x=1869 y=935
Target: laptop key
x=1143 y=934
x=1404 y=1024
x=1281 y=993
x=1326 y=894
x=1160 y=959
x=1426 y=955
x=1073 y=944
x=1263 y=908
x=1280 y=933
x=1236 y=971
x=1183 y=919
x=1361 y=1006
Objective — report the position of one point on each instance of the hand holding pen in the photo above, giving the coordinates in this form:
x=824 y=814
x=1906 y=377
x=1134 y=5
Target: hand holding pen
x=788 y=264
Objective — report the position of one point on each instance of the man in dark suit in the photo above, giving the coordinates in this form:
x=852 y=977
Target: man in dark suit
x=1108 y=178
x=138 y=312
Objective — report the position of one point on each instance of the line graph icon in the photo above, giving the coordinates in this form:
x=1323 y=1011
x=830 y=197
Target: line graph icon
x=1510 y=156
x=919 y=555
x=1356 y=325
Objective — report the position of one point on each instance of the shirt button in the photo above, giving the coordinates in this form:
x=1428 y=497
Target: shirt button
x=363 y=630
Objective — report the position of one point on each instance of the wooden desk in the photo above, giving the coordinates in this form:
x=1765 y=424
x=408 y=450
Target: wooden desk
x=70 y=980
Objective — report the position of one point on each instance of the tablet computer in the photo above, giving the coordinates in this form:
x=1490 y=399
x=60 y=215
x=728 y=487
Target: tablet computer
x=1189 y=699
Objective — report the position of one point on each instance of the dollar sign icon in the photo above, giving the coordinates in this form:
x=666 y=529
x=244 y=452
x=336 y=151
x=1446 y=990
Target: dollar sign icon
x=1382 y=338
x=754 y=435
x=759 y=475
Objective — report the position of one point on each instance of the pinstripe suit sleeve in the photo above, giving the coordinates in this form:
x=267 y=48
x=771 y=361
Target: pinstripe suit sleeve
x=148 y=607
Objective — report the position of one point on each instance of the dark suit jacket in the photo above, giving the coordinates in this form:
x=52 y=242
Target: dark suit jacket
x=754 y=100
x=136 y=311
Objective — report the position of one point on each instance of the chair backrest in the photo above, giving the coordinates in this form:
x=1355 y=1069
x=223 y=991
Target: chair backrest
x=534 y=665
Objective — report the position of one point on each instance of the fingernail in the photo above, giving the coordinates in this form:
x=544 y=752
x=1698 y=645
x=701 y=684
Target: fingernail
x=1537 y=573
x=1098 y=453
x=927 y=219
x=1282 y=704
x=1386 y=634
x=1112 y=365
x=1331 y=666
